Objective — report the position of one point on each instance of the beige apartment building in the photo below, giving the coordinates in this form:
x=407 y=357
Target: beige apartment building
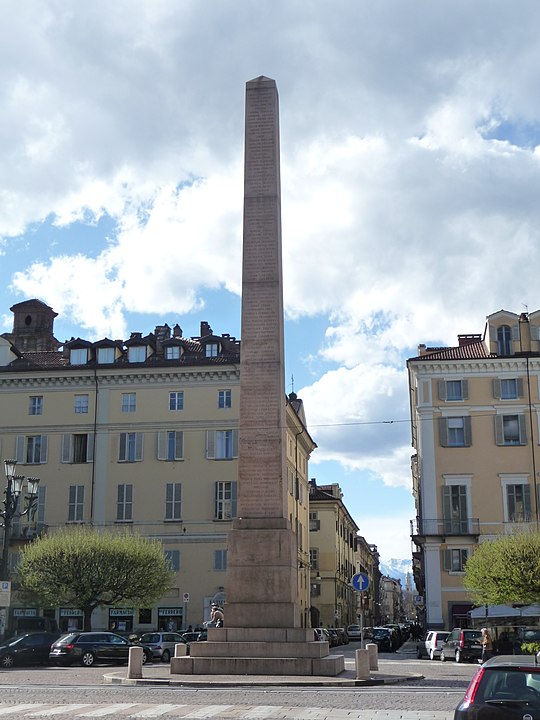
x=475 y=412
x=139 y=434
x=337 y=553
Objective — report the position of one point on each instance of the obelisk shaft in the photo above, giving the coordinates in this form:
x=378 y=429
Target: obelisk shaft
x=262 y=555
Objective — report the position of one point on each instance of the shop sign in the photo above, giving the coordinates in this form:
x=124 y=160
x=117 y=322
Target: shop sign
x=120 y=612
x=169 y=612
x=25 y=612
x=70 y=612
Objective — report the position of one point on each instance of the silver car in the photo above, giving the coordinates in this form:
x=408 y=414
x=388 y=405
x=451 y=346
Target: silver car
x=161 y=643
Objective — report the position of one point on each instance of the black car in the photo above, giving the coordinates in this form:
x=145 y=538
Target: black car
x=507 y=687
x=87 y=648
x=462 y=644
x=30 y=648
x=382 y=637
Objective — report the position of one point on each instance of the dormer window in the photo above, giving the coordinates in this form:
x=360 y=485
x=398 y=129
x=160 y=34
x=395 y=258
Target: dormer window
x=137 y=353
x=212 y=350
x=172 y=352
x=78 y=356
x=504 y=340
x=105 y=355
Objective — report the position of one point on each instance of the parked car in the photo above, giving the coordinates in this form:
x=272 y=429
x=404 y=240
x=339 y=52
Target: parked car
x=333 y=636
x=343 y=637
x=507 y=687
x=431 y=645
x=87 y=648
x=27 y=649
x=354 y=632
x=321 y=634
x=461 y=645
x=162 y=644
x=382 y=637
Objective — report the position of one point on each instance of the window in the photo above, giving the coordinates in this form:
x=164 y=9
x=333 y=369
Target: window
x=225 y=500
x=504 y=340
x=173 y=558
x=173 y=501
x=31 y=450
x=455 y=559
x=124 y=503
x=314 y=522
x=79 y=356
x=222 y=444
x=77 y=448
x=314 y=558
x=212 y=350
x=510 y=430
x=220 y=559
x=80 y=405
x=129 y=402
x=36 y=405
x=508 y=389
x=455 y=515
x=137 y=353
x=176 y=400
x=518 y=503
x=76 y=503
x=105 y=355
x=170 y=445
x=130 y=447
x=172 y=352
x=224 y=399
x=455 y=431
x=452 y=390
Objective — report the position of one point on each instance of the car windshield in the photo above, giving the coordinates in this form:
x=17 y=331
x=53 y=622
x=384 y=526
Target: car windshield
x=510 y=684
x=379 y=632
x=150 y=638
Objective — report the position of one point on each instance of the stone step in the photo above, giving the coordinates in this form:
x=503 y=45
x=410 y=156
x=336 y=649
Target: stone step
x=328 y=666
x=260 y=649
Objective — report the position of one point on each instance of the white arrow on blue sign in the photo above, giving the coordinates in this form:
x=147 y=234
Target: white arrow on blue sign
x=360 y=581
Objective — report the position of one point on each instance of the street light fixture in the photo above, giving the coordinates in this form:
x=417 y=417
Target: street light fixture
x=13 y=491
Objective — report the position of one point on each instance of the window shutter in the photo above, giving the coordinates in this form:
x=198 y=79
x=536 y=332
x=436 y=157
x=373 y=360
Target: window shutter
x=443 y=432
x=233 y=499
x=210 y=444
x=499 y=437
x=522 y=430
x=467 y=434
x=162 y=445
x=179 y=446
x=216 y=499
x=465 y=389
x=446 y=501
x=66 y=448
x=122 y=446
x=441 y=385
x=19 y=449
x=43 y=449
x=497 y=388
x=138 y=446
x=447 y=560
x=235 y=443
x=90 y=448
x=514 y=333
x=519 y=385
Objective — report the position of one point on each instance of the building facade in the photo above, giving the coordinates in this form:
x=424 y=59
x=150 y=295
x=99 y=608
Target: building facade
x=139 y=434
x=475 y=412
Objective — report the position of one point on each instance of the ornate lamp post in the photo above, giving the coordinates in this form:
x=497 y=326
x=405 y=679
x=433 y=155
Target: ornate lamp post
x=13 y=491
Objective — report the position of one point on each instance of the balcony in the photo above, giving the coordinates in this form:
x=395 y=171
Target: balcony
x=438 y=527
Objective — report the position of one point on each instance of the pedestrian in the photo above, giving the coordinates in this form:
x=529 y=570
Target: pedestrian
x=487 y=645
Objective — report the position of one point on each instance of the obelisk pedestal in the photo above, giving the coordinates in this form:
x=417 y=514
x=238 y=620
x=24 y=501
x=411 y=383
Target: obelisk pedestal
x=262 y=633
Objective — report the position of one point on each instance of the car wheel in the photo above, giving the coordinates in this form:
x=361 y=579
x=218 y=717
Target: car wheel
x=146 y=657
x=459 y=657
x=165 y=656
x=7 y=660
x=443 y=656
x=431 y=654
x=88 y=659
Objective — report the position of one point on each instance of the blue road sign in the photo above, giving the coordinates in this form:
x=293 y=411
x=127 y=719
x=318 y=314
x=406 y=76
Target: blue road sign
x=360 y=581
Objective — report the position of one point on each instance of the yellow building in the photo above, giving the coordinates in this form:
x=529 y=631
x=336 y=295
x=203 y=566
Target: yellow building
x=475 y=430
x=337 y=553
x=139 y=434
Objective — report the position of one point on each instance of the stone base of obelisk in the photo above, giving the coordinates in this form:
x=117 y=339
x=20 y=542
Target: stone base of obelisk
x=262 y=633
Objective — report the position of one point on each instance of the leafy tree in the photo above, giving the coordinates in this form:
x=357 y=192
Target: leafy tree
x=505 y=570
x=84 y=568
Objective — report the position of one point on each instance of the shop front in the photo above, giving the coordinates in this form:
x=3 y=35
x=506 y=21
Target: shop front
x=121 y=620
x=71 y=619
x=170 y=619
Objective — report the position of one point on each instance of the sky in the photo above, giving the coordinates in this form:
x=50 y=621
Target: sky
x=410 y=169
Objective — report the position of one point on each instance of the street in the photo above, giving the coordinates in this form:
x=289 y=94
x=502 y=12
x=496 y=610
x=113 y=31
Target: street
x=78 y=692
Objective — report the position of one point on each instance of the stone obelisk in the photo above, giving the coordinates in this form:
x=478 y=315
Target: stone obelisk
x=262 y=556
x=262 y=633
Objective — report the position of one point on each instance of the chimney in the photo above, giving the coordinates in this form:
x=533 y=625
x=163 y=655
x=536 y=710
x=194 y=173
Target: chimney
x=205 y=329
x=468 y=339
x=177 y=331
x=524 y=333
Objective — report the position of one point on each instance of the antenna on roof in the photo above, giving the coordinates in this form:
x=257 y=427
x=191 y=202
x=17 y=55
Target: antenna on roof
x=292 y=382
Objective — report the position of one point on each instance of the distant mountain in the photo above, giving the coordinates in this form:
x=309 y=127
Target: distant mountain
x=396 y=568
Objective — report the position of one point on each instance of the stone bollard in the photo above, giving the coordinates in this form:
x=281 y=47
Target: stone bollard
x=135 y=663
x=362 y=665
x=373 y=655
x=180 y=650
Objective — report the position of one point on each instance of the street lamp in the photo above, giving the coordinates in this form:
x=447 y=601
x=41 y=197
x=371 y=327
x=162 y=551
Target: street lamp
x=13 y=492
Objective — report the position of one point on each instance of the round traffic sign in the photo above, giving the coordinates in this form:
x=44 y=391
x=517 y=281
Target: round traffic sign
x=360 y=582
